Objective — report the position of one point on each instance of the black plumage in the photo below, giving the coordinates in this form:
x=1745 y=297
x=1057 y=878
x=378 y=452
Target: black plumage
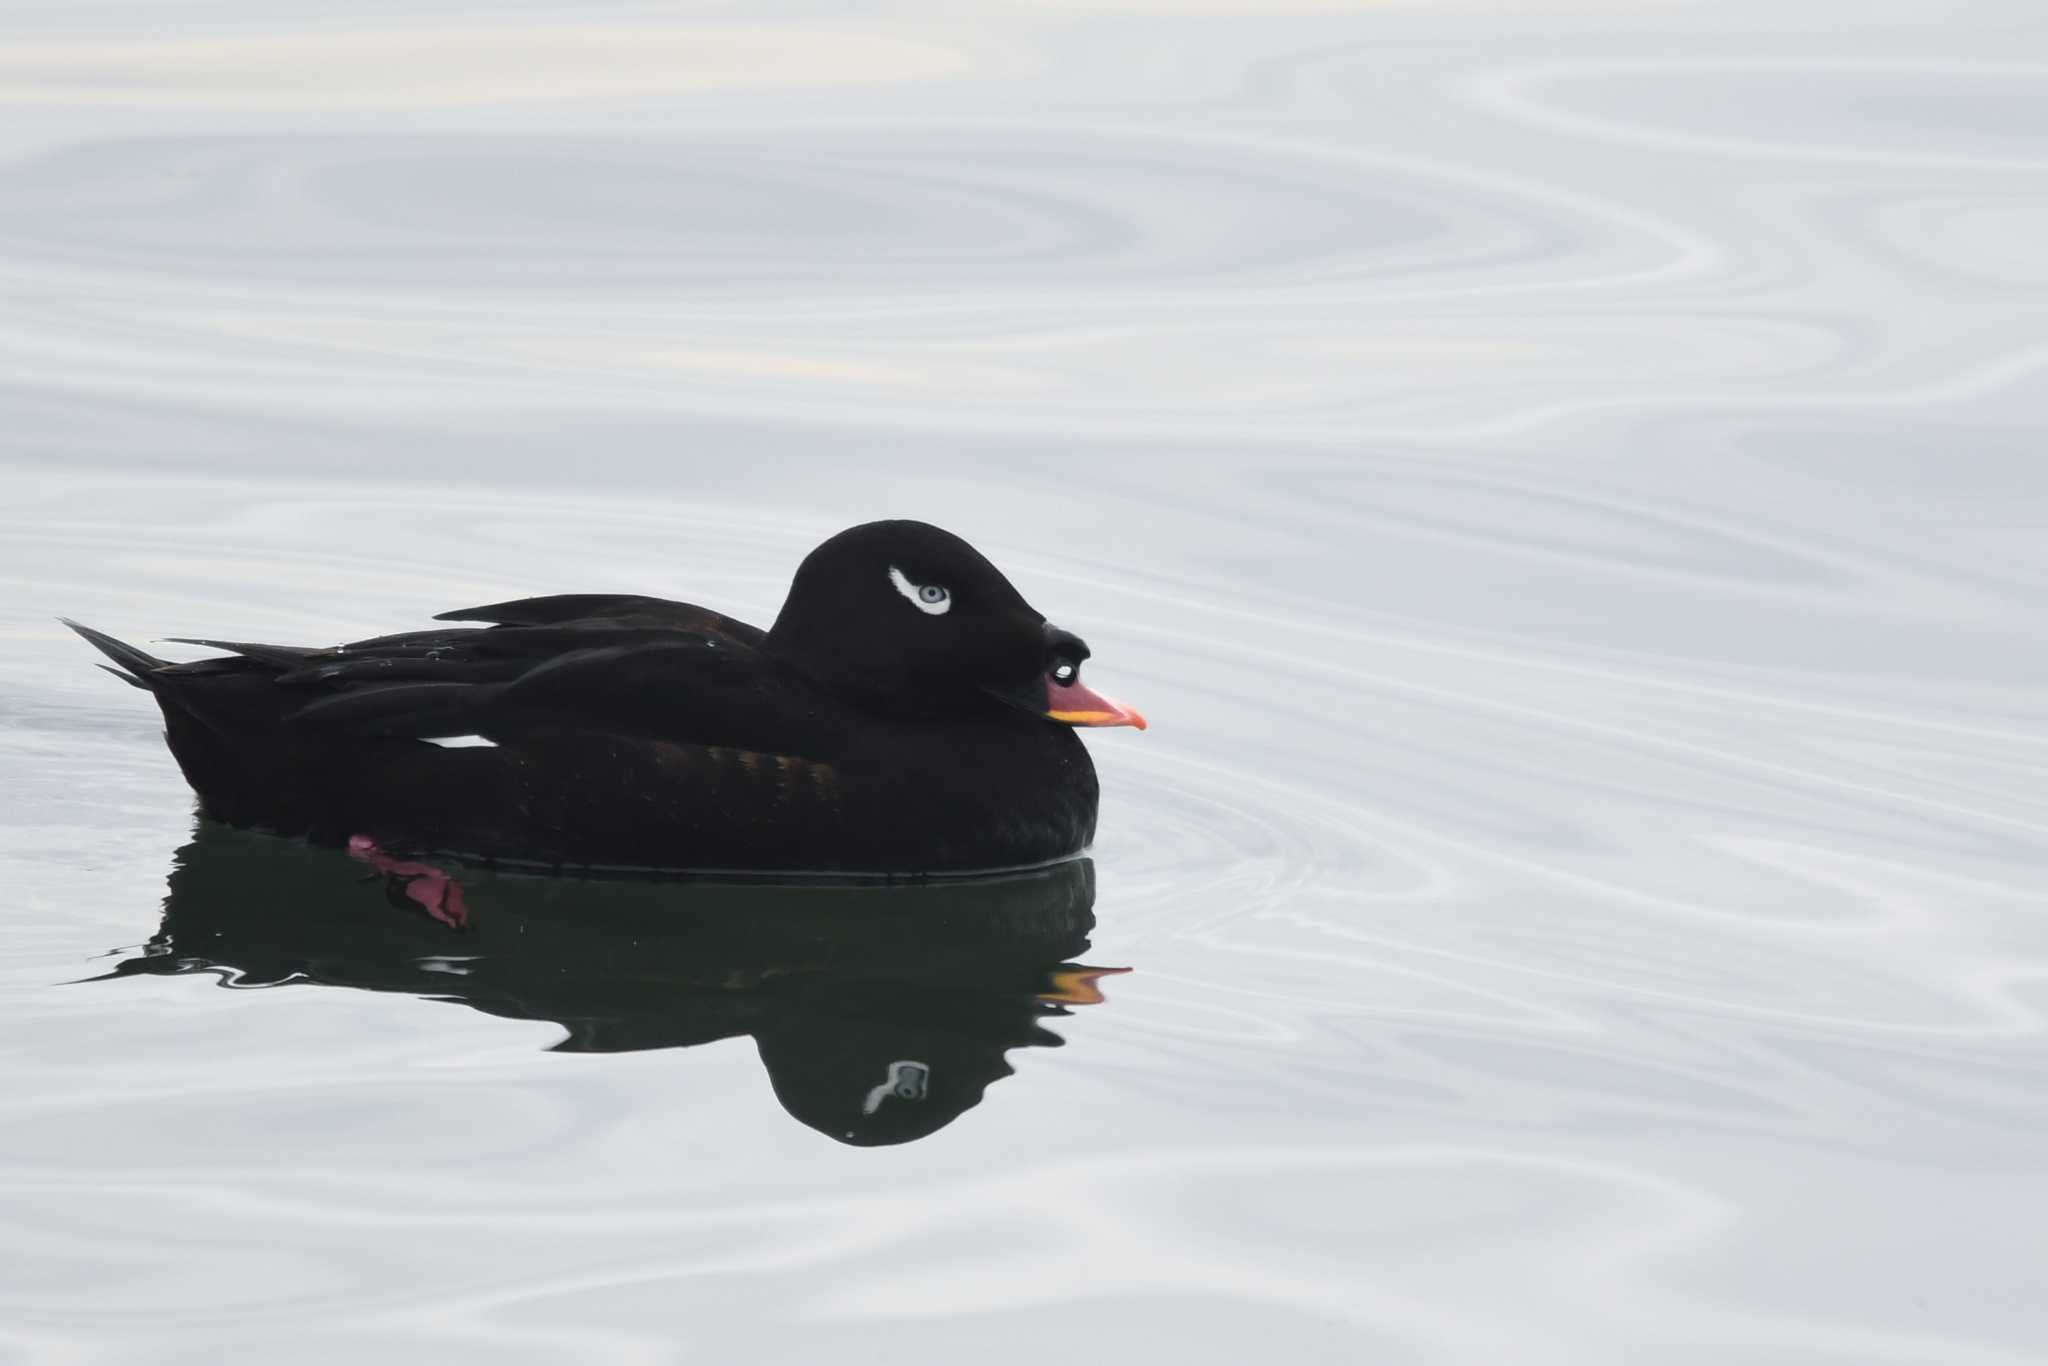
x=909 y=712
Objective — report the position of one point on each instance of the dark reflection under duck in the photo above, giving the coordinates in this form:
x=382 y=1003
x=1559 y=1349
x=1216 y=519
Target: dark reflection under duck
x=881 y=1011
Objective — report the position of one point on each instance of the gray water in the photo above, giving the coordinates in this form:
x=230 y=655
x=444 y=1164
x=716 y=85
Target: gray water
x=1564 y=480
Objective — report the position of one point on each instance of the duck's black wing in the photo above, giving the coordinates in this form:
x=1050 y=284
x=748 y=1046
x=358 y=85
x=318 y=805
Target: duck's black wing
x=525 y=635
x=656 y=736
x=618 y=664
x=621 y=609
x=676 y=689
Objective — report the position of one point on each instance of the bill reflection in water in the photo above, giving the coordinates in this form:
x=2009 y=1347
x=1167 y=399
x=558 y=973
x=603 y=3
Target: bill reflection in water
x=881 y=1012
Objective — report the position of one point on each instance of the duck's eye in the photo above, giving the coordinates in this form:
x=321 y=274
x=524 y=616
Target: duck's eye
x=1063 y=672
x=927 y=597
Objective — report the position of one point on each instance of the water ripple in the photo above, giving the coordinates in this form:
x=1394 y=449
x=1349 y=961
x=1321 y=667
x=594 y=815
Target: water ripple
x=1576 y=525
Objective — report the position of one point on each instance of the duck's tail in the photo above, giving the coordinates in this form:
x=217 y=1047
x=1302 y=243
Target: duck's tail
x=224 y=722
x=137 y=668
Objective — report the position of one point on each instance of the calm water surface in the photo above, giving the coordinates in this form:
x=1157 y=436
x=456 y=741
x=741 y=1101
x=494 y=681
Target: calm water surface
x=1565 y=481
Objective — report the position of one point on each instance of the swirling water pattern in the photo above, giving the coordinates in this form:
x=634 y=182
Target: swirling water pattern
x=1565 y=481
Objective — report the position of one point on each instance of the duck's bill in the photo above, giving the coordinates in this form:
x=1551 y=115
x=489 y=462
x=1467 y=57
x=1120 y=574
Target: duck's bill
x=1077 y=704
x=1069 y=701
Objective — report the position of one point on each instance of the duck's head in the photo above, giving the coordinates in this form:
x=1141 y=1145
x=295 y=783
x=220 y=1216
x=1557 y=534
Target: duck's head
x=913 y=620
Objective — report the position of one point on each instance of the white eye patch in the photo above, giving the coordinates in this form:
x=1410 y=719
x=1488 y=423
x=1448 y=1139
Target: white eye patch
x=925 y=597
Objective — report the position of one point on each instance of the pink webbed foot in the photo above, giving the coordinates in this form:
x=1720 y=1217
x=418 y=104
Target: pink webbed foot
x=428 y=887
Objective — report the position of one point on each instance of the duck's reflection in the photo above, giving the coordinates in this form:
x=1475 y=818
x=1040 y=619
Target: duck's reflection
x=881 y=1011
